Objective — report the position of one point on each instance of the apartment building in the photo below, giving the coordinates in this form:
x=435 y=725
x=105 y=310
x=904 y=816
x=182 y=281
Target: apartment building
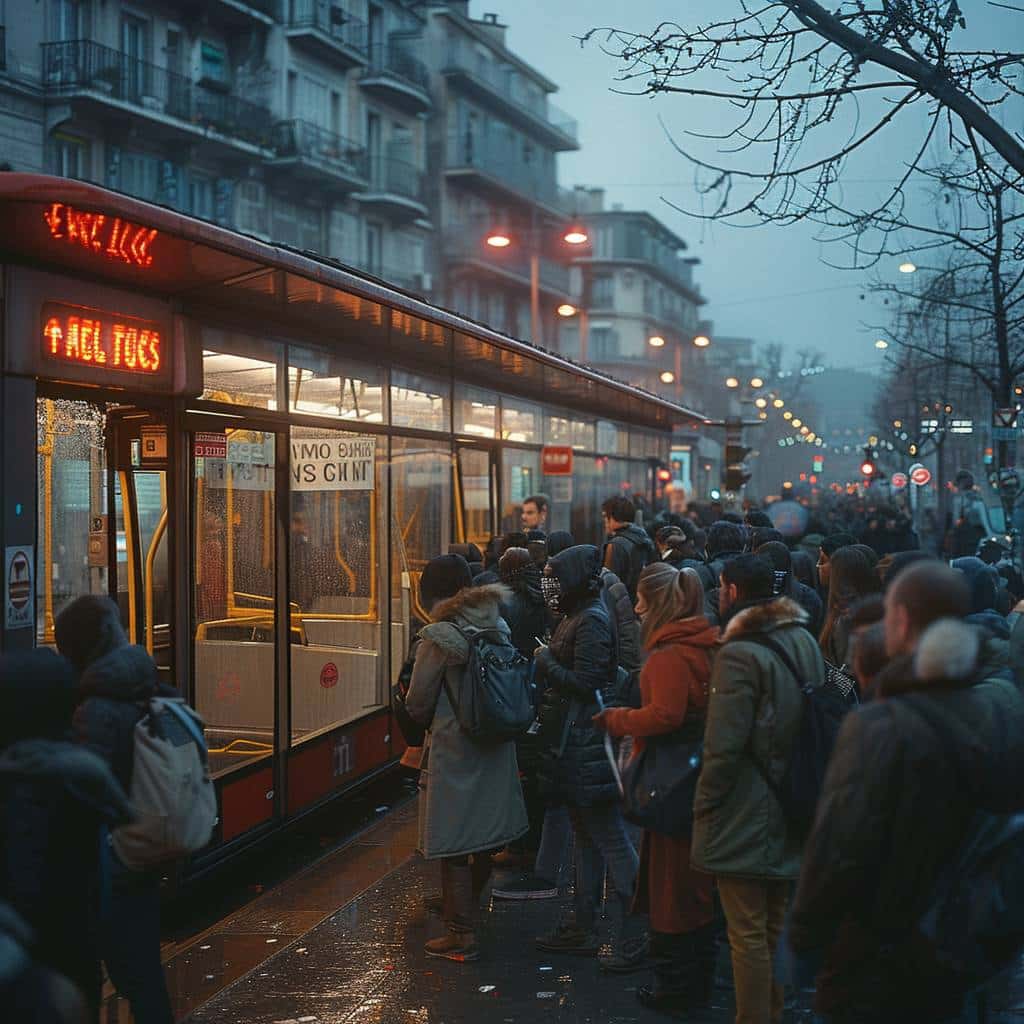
x=301 y=121
x=493 y=141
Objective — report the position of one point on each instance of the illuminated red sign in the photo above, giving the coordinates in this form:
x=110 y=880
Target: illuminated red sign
x=111 y=237
x=556 y=460
x=88 y=337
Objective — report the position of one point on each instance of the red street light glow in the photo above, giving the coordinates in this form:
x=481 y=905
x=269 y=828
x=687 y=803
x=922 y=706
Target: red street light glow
x=499 y=240
x=867 y=469
x=576 y=236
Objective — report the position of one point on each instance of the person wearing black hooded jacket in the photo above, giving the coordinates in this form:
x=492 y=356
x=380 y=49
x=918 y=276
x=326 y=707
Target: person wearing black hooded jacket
x=115 y=683
x=574 y=669
x=57 y=803
x=629 y=548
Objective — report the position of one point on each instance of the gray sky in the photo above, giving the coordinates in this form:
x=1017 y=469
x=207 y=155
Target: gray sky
x=768 y=282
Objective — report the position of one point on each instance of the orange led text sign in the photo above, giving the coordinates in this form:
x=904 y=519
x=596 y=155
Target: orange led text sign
x=88 y=337
x=113 y=238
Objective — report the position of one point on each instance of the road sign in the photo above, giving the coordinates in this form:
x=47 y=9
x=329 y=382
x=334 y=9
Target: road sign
x=556 y=460
x=921 y=476
x=899 y=481
x=18 y=601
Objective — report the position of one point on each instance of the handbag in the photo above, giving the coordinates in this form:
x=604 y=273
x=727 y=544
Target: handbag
x=660 y=784
x=413 y=733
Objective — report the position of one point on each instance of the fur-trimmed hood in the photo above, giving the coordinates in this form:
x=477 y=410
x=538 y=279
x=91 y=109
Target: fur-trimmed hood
x=948 y=650
x=765 y=617
x=472 y=608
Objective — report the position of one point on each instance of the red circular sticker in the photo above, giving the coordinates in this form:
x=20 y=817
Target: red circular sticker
x=329 y=675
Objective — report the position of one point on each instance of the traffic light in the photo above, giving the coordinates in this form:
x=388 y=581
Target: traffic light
x=818 y=464
x=867 y=467
x=663 y=474
x=736 y=472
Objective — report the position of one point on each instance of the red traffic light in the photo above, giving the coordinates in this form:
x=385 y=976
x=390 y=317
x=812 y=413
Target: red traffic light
x=664 y=475
x=868 y=468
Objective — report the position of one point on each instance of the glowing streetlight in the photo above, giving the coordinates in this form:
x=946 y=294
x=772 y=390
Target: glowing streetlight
x=804 y=429
x=906 y=267
x=756 y=382
x=778 y=403
x=576 y=236
x=667 y=377
x=656 y=341
x=762 y=415
x=761 y=403
x=897 y=424
x=881 y=344
x=787 y=415
x=499 y=240
x=731 y=382
x=567 y=309
x=702 y=341
x=797 y=423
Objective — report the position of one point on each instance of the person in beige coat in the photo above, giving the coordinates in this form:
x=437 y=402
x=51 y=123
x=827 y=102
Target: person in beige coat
x=471 y=801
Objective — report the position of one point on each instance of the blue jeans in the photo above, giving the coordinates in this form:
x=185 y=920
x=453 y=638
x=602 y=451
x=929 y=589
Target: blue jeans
x=601 y=840
x=552 y=862
x=131 y=943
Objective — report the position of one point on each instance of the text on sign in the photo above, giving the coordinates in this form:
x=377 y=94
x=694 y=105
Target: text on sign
x=110 y=237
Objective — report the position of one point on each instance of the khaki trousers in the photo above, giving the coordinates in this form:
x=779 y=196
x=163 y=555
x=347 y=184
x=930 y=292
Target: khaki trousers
x=755 y=911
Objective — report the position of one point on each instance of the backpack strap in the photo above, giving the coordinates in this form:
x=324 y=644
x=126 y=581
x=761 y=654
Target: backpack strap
x=767 y=640
x=187 y=722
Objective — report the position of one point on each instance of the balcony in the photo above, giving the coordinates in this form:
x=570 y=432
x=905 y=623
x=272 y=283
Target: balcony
x=239 y=14
x=109 y=83
x=397 y=77
x=502 y=87
x=314 y=156
x=465 y=245
x=328 y=31
x=496 y=169
x=397 y=189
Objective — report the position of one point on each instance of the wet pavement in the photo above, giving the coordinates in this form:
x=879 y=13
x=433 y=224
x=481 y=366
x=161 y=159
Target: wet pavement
x=338 y=941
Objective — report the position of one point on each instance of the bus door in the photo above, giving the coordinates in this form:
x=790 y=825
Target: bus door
x=476 y=494
x=103 y=524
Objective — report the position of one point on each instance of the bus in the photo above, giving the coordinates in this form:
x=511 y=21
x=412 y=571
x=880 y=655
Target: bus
x=254 y=452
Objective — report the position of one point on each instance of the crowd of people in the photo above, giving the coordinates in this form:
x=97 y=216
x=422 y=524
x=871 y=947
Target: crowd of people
x=68 y=902
x=732 y=633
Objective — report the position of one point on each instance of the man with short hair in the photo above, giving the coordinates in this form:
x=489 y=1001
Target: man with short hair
x=943 y=739
x=740 y=833
x=628 y=548
x=534 y=514
x=726 y=541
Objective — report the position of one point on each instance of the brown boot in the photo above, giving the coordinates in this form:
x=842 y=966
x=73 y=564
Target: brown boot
x=459 y=941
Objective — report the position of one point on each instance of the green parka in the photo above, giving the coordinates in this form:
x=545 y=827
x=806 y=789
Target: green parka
x=753 y=716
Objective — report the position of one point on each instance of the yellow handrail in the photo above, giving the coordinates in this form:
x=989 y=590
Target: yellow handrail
x=158 y=533
x=46 y=450
x=133 y=624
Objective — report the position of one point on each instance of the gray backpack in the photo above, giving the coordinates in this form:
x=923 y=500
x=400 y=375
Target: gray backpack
x=171 y=792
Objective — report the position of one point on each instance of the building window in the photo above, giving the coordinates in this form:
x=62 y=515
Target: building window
x=139 y=175
x=213 y=64
x=601 y=291
x=70 y=20
x=200 y=197
x=70 y=157
x=604 y=344
x=251 y=208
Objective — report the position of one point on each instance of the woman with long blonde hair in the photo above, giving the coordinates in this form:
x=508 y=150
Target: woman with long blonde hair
x=678 y=642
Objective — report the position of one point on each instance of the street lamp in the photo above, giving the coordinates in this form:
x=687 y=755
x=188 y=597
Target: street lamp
x=787 y=415
x=576 y=236
x=778 y=403
x=702 y=341
x=906 y=267
x=499 y=240
x=761 y=403
x=731 y=382
x=881 y=344
x=756 y=382
x=797 y=423
x=656 y=341
x=667 y=376
x=567 y=309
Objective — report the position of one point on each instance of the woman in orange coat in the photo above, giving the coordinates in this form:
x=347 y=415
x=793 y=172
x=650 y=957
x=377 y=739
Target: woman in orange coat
x=678 y=641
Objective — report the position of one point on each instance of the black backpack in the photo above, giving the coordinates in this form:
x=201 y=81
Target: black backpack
x=497 y=699
x=822 y=713
x=973 y=926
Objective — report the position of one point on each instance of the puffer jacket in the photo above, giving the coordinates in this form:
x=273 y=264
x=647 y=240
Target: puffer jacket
x=112 y=694
x=625 y=627
x=525 y=611
x=898 y=797
x=471 y=799
x=56 y=803
x=753 y=716
x=628 y=550
x=579 y=662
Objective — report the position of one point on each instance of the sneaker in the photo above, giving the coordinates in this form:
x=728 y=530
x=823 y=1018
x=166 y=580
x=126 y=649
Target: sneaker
x=525 y=887
x=458 y=946
x=567 y=938
x=626 y=957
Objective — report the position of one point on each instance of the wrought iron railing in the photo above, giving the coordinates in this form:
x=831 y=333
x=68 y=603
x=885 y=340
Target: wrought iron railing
x=398 y=177
x=298 y=138
x=332 y=20
x=396 y=60
x=510 y=85
x=503 y=161
x=81 y=65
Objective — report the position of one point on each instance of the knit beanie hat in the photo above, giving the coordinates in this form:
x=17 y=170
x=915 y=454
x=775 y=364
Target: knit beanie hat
x=89 y=628
x=443 y=577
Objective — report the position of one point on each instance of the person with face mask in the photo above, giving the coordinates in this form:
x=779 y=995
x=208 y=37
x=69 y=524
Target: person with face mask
x=577 y=672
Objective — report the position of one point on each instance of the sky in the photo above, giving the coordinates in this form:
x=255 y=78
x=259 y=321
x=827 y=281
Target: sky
x=769 y=282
